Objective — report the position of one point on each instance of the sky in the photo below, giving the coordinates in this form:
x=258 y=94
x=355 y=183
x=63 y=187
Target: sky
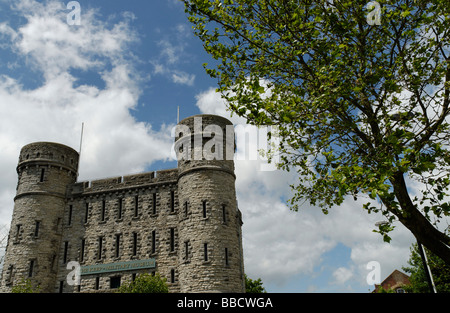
x=123 y=72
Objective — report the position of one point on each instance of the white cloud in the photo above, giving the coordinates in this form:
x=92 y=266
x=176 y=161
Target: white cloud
x=170 y=52
x=342 y=275
x=183 y=78
x=210 y=102
x=173 y=54
x=114 y=142
x=56 y=46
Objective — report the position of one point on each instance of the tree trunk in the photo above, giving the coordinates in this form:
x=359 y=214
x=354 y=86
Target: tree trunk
x=436 y=241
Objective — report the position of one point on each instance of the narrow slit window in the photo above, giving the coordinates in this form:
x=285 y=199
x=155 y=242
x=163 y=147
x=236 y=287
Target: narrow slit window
x=18 y=229
x=135 y=239
x=154 y=203
x=103 y=210
x=172 y=276
x=10 y=273
x=100 y=247
x=41 y=179
x=226 y=257
x=117 y=245
x=83 y=244
x=205 y=252
x=224 y=214
x=66 y=249
x=186 y=207
x=172 y=239
x=136 y=206
x=172 y=201
x=86 y=213
x=119 y=213
x=69 y=222
x=31 y=268
x=204 y=208
x=36 y=228
x=153 y=241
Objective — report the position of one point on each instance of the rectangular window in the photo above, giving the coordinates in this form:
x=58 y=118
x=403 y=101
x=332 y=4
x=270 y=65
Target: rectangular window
x=135 y=238
x=226 y=257
x=172 y=239
x=31 y=268
x=119 y=213
x=186 y=250
x=66 y=248
x=36 y=228
x=154 y=203
x=204 y=208
x=224 y=213
x=97 y=283
x=114 y=282
x=172 y=201
x=153 y=241
x=83 y=243
x=117 y=245
x=86 y=213
x=100 y=247
x=61 y=286
x=136 y=206
x=10 y=273
x=69 y=222
x=102 y=217
x=172 y=276
x=205 y=252
x=18 y=228
x=41 y=179
x=186 y=207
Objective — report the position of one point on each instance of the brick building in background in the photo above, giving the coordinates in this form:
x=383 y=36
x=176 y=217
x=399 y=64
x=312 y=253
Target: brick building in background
x=395 y=281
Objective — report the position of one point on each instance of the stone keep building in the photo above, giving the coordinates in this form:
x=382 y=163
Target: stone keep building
x=182 y=223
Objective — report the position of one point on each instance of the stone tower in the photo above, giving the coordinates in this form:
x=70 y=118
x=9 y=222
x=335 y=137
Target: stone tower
x=45 y=171
x=209 y=219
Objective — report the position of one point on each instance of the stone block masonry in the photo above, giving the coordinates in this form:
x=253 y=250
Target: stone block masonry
x=183 y=223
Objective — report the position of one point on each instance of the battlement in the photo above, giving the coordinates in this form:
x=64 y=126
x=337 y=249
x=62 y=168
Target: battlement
x=49 y=153
x=125 y=182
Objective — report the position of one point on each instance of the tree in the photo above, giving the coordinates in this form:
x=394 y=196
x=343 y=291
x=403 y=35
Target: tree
x=254 y=286
x=382 y=290
x=146 y=283
x=3 y=243
x=438 y=268
x=25 y=286
x=361 y=109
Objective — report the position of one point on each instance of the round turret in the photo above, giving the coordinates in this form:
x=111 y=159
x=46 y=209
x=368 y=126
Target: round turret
x=211 y=257
x=45 y=171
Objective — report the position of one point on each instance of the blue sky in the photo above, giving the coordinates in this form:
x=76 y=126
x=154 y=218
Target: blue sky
x=123 y=72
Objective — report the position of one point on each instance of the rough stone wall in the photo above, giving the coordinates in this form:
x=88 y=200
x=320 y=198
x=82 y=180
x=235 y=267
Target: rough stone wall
x=105 y=221
x=45 y=170
x=212 y=219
